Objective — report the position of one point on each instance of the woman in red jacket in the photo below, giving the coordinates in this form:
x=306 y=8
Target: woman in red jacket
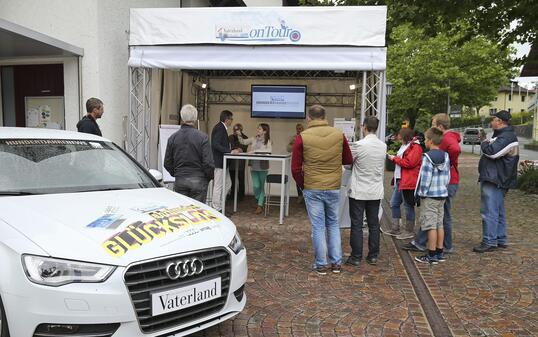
x=407 y=168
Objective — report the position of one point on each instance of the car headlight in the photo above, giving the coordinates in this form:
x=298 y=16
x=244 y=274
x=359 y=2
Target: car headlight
x=236 y=245
x=56 y=272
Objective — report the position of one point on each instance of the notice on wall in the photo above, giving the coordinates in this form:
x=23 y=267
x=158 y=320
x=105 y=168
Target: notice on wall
x=45 y=112
x=347 y=125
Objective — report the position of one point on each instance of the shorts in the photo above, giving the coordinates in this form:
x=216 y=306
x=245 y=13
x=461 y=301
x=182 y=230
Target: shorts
x=431 y=213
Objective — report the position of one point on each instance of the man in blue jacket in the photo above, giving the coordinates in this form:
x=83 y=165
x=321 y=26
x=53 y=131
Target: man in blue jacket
x=497 y=173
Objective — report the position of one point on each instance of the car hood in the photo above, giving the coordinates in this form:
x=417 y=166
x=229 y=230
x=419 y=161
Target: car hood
x=116 y=227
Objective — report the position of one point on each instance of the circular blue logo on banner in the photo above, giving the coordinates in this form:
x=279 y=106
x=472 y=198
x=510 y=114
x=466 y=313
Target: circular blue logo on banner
x=295 y=36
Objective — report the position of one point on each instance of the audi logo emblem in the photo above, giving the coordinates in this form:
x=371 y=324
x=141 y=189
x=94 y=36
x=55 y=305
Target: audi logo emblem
x=184 y=268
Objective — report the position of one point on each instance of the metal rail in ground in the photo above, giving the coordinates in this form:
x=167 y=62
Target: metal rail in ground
x=435 y=319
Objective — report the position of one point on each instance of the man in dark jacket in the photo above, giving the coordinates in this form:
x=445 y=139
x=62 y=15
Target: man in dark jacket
x=88 y=123
x=220 y=144
x=497 y=173
x=188 y=157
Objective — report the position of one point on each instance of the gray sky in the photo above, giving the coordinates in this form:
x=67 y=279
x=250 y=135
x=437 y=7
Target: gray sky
x=523 y=50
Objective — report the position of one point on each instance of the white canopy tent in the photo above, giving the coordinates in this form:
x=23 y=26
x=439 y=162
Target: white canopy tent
x=335 y=39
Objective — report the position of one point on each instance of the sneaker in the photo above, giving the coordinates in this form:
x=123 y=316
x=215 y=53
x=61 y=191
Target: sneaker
x=482 y=248
x=411 y=247
x=258 y=210
x=353 y=261
x=391 y=232
x=336 y=268
x=426 y=259
x=502 y=245
x=371 y=260
x=441 y=257
x=322 y=270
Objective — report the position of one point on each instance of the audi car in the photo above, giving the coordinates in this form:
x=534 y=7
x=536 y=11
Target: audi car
x=91 y=244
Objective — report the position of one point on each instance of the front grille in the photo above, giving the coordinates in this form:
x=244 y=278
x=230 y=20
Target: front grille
x=148 y=277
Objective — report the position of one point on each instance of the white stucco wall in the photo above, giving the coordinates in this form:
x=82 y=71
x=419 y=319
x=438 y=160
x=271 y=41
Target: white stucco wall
x=100 y=27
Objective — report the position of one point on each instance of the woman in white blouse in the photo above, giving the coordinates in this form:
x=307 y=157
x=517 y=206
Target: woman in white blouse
x=261 y=143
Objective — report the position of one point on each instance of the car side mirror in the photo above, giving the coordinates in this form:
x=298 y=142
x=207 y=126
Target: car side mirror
x=157 y=175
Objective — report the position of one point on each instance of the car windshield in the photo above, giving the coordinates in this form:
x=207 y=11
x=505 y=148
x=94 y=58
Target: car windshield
x=471 y=132
x=38 y=166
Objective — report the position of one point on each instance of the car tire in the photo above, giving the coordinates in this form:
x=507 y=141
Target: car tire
x=4 y=331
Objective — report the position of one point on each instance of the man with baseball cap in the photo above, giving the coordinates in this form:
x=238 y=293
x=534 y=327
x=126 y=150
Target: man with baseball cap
x=497 y=173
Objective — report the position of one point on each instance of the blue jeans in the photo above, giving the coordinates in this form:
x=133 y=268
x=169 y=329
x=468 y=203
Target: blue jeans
x=396 y=200
x=322 y=208
x=422 y=237
x=493 y=214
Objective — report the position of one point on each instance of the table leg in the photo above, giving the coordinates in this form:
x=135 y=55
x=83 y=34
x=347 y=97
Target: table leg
x=282 y=191
x=223 y=192
x=288 y=172
x=236 y=184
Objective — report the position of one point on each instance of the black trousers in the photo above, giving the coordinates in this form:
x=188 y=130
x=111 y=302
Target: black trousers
x=192 y=187
x=240 y=180
x=356 y=213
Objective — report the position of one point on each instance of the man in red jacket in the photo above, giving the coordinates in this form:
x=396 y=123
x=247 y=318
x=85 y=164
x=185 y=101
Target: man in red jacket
x=451 y=145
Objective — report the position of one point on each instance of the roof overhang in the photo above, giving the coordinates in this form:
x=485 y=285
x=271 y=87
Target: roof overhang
x=18 y=41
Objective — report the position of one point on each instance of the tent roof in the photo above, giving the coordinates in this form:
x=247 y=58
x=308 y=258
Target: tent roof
x=268 y=38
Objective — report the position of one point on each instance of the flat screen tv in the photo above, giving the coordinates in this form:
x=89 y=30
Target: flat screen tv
x=278 y=101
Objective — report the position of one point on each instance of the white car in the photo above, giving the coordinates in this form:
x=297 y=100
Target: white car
x=92 y=245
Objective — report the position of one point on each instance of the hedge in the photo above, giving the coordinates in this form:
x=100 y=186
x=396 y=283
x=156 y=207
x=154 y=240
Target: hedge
x=518 y=118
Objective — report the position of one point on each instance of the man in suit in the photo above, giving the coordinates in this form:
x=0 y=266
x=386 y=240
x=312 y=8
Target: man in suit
x=220 y=144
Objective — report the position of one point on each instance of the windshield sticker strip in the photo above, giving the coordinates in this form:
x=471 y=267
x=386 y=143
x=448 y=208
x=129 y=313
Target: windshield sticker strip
x=45 y=142
x=177 y=220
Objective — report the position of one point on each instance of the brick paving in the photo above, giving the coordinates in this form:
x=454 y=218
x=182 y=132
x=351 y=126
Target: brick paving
x=490 y=294
x=494 y=294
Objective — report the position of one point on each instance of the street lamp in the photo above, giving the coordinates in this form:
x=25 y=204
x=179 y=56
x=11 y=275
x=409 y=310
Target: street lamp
x=389 y=88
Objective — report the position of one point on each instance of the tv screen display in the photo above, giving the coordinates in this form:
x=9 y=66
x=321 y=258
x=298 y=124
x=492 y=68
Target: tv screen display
x=278 y=101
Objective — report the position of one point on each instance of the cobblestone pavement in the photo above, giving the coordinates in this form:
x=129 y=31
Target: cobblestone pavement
x=491 y=294
x=494 y=294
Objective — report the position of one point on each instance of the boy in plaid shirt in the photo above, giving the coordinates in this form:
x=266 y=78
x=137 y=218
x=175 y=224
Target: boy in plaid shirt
x=432 y=189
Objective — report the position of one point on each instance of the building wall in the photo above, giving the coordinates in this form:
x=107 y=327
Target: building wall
x=101 y=28
x=504 y=103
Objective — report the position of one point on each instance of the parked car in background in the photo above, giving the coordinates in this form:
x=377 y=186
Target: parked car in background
x=474 y=136
x=92 y=245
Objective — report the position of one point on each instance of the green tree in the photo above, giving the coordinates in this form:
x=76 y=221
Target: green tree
x=427 y=70
x=503 y=21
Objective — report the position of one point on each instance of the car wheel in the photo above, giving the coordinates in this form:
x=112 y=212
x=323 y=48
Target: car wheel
x=4 y=332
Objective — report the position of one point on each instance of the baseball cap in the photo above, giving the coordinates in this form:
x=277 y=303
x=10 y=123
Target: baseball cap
x=503 y=115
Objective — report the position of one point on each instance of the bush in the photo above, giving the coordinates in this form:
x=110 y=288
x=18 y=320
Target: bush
x=468 y=121
x=518 y=118
x=528 y=177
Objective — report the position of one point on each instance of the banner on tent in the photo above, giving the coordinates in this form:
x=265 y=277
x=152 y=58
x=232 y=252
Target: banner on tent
x=340 y=26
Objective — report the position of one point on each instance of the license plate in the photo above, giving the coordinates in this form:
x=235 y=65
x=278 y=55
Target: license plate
x=180 y=298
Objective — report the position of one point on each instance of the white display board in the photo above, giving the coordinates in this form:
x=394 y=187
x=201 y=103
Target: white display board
x=165 y=131
x=347 y=125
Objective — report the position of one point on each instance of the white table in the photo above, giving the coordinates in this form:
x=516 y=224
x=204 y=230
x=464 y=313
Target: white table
x=284 y=159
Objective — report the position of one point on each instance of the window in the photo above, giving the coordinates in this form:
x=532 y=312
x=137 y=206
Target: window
x=509 y=97
x=522 y=98
x=509 y=110
x=492 y=111
x=522 y=110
